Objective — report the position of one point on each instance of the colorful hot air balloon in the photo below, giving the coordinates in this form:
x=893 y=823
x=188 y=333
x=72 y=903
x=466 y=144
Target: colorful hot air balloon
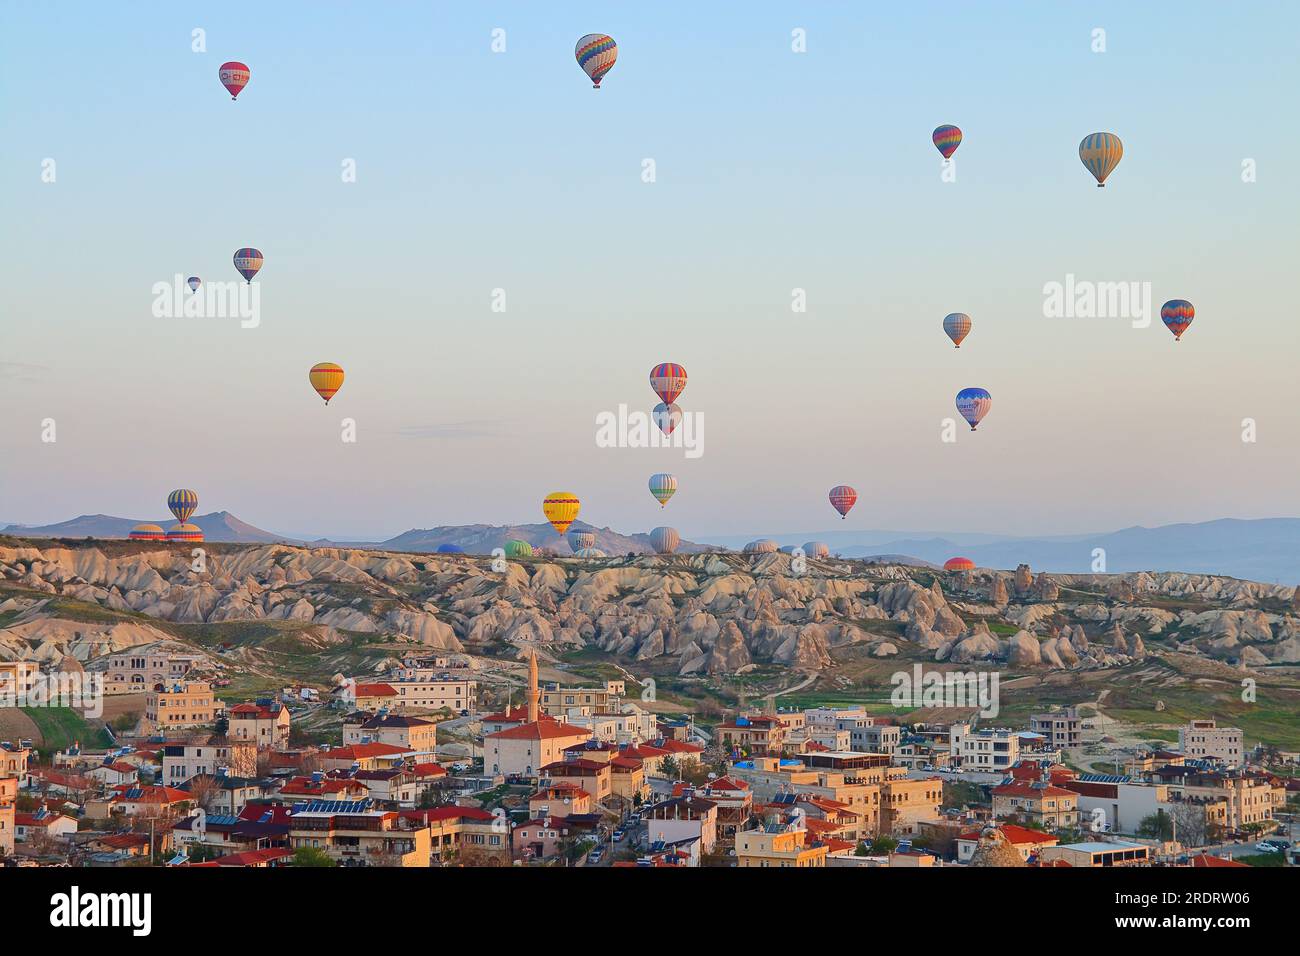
x=596 y=54
x=194 y=283
x=518 y=549
x=234 y=77
x=957 y=325
x=959 y=564
x=663 y=486
x=326 y=378
x=147 y=532
x=665 y=540
x=589 y=553
x=973 y=404
x=561 y=508
x=450 y=548
x=816 y=549
x=843 y=499
x=668 y=379
x=667 y=417
x=1101 y=153
x=185 y=533
x=1177 y=315
x=581 y=539
x=248 y=262
x=946 y=140
x=182 y=503
x=761 y=546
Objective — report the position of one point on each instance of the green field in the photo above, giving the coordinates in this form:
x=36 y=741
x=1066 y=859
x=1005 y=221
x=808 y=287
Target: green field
x=62 y=726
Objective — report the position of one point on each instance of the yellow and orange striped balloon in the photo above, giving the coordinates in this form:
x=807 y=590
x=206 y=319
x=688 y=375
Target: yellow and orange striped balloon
x=326 y=378
x=561 y=509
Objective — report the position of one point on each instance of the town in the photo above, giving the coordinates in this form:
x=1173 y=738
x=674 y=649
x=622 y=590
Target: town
x=592 y=776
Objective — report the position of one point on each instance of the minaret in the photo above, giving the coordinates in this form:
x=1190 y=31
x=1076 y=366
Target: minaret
x=532 y=686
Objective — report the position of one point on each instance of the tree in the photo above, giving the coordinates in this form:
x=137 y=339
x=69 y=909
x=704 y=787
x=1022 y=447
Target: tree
x=669 y=767
x=1157 y=826
x=882 y=846
x=311 y=856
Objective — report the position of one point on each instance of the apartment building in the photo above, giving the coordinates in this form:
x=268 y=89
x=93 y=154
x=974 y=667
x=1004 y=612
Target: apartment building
x=1041 y=805
x=187 y=704
x=566 y=702
x=421 y=688
x=398 y=730
x=779 y=844
x=1205 y=739
x=1061 y=728
x=8 y=814
x=354 y=834
x=183 y=761
x=141 y=668
x=991 y=751
x=264 y=722
x=17 y=679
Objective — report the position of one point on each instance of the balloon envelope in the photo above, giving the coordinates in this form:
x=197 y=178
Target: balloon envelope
x=663 y=486
x=958 y=564
x=761 y=546
x=518 y=549
x=973 y=404
x=957 y=325
x=842 y=499
x=248 y=261
x=946 y=139
x=665 y=540
x=184 y=532
x=182 y=503
x=596 y=54
x=147 y=532
x=194 y=282
x=234 y=77
x=581 y=539
x=668 y=379
x=589 y=553
x=816 y=549
x=326 y=378
x=450 y=549
x=1100 y=154
x=561 y=508
x=667 y=417
x=1177 y=315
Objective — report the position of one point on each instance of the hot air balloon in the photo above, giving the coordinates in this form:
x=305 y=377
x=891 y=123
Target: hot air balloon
x=147 y=532
x=589 y=553
x=959 y=564
x=182 y=503
x=248 y=261
x=973 y=404
x=761 y=546
x=183 y=533
x=450 y=549
x=667 y=417
x=665 y=540
x=816 y=549
x=518 y=549
x=842 y=499
x=946 y=140
x=326 y=378
x=596 y=54
x=668 y=379
x=1177 y=315
x=663 y=486
x=561 y=508
x=581 y=539
x=957 y=325
x=234 y=77
x=1101 y=153
x=194 y=283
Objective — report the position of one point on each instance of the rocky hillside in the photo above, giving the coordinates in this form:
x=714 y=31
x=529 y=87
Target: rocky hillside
x=695 y=614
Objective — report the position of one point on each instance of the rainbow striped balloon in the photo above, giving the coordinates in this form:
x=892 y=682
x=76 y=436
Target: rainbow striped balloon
x=248 y=261
x=667 y=379
x=1177 y=314
x=663 y=486
x=665 y=540
x=184 y=533
x=946 y=140
x=596 y=54
x=1101 y=153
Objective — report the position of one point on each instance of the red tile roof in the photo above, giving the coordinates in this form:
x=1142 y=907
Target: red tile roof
x=252 y=857
x=375 y=690
x=1204 y=859
x=541 y=730
x=1019 y=789
x=149 y=795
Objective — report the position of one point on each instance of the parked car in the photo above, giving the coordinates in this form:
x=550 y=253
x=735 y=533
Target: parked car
x=619 y=835
x=634 y=818
x=1268 y=846
x=595 y=855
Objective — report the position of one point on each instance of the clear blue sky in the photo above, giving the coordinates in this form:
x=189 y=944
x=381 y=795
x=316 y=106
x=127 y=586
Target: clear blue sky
x=775 y=170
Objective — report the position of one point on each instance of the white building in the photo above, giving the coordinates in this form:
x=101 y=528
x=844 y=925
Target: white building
x=1204 y=739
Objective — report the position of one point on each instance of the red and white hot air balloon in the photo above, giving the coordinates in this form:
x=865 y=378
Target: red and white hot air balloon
x=234 y=77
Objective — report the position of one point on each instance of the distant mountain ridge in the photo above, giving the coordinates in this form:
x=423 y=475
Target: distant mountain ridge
x=216 y=526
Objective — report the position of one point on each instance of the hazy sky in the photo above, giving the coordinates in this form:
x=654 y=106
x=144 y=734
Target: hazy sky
x=775 y=170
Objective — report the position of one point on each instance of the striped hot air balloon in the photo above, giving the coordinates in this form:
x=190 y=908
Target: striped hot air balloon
x=589 y=553
x=946 y=140
x=182 y=503
x=194 y=282
x=561 y=509
x=959 y=564
x=668 y=379
x=596 y=54
x=973 y=404
x=326 y=378
x=581 y=539
x=1101 y=153
x=663 y=486
x=147 y=532
x=1177 y=315
x=843 y=498
x=182 y=533
x=518 y=549
x=761 y=546
x=667 y=417
x=816 y=549
x=665 y=540
x=248 y=261
x=957 y=325
x=234 y=77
